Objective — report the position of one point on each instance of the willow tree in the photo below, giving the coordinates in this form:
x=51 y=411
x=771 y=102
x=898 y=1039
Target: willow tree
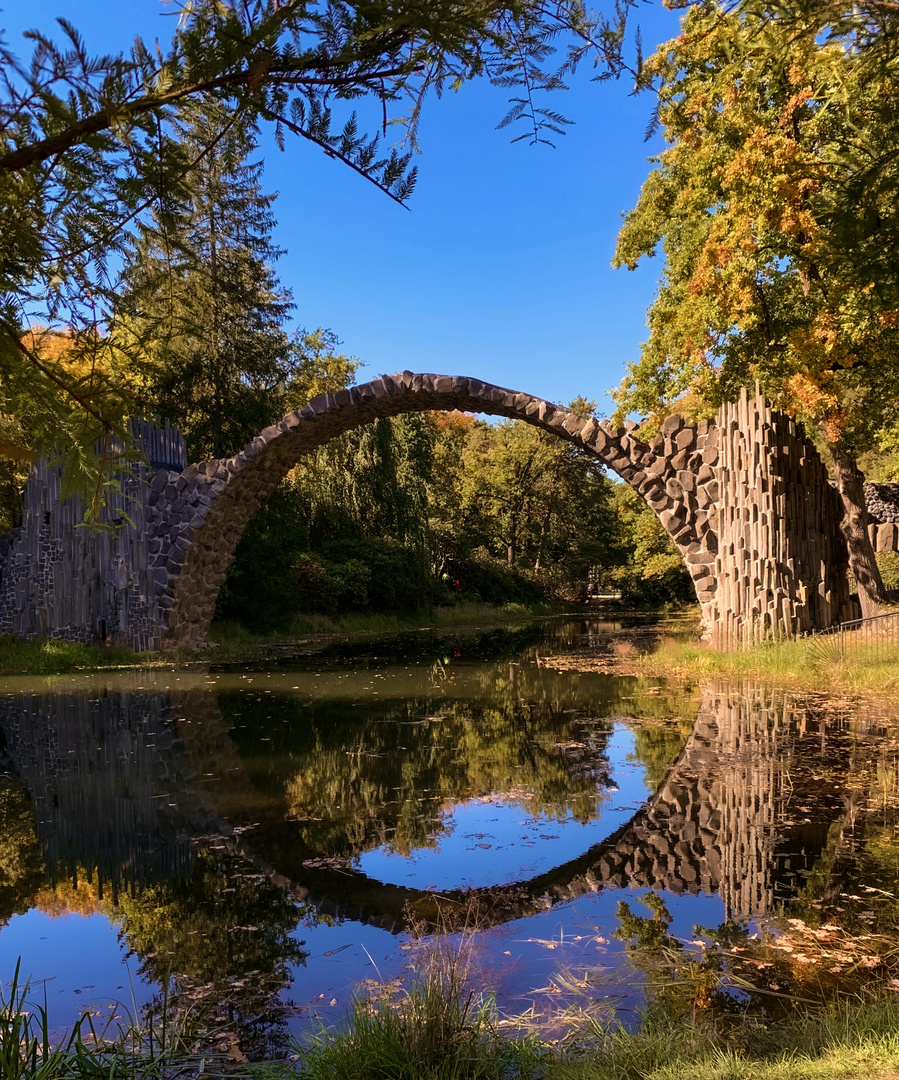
x=775 y=208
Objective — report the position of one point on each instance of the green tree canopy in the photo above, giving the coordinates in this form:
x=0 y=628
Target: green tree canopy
x=775 y=208
x=202 y=305
x=535 y=500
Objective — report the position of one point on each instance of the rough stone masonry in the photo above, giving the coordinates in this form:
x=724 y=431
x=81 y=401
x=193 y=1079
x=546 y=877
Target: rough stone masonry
x=744 y=497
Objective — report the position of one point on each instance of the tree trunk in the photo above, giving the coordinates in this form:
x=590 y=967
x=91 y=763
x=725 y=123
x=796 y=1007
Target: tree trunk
x=854 y=527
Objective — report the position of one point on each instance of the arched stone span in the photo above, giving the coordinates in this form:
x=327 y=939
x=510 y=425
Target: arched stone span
x=745 y=498
x=197 y=517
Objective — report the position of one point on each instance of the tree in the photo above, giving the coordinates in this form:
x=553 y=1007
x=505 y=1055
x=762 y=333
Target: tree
x=647 y=567
x=88 y=148
x=204 y=308
x=536 y=501
x=347 y=530
x=220 y=943
x=775 y=209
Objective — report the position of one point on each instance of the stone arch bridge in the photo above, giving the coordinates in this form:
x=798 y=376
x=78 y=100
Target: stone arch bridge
x=744 y=498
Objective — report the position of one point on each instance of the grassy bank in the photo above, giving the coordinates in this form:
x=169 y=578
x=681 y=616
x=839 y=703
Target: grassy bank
x=232 y=641
x=430 y=1037
x=44 y=657
x=808 y=664
x=848 y=1042
x=463 y=613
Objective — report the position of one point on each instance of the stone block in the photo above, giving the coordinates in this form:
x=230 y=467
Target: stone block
x=685 y=439
x=687 y=480
x=597 y=438
x=887 y=537
x=672 y=424
x=671 y=520
x=700 y=557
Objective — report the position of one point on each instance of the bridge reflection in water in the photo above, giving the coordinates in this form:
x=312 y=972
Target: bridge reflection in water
x=162 y=797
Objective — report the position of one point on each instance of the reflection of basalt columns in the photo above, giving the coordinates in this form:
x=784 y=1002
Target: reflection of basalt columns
x=744 y=498
x=124 y=784
x=113 y=792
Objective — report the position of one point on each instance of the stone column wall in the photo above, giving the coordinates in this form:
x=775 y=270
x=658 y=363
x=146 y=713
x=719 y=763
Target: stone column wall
x=60 y=579
x=781 y=562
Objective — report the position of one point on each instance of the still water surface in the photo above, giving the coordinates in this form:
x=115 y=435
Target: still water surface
x=264 y=838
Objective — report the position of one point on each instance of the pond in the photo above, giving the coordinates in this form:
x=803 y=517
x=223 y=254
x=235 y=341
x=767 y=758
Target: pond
x=267 y=841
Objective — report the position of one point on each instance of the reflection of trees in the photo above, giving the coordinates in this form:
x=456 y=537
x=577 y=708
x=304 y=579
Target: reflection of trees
x=221 y=941
x=355 y=781
x=21 y=860
x=359 y=771
x=387 y=783
x=658 y=745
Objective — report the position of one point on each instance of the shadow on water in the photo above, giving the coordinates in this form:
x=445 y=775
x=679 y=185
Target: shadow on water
x=219 y=819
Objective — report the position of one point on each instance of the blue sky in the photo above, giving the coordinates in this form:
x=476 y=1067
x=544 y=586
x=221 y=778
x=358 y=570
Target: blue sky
x=500 y=269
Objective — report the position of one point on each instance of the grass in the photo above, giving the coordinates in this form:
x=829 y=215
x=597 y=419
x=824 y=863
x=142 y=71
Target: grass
x=462 y=613
x=809 y=663
x=233 y=641
x=441 y=1029
x=431 y=1034
x=848 y=1042
x=51 y=657
x=28 y=1050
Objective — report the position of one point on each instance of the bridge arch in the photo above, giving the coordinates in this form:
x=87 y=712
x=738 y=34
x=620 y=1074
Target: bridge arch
x=197 y=517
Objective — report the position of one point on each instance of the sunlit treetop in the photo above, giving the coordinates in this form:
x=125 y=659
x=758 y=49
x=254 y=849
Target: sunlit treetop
x=775 y=208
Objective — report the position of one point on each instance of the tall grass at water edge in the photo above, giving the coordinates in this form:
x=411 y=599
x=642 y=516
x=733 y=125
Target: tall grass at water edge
x=435 y=1030
x=439 y=1030
x=126 y=1051
x=431 y=1034
x=808 y=663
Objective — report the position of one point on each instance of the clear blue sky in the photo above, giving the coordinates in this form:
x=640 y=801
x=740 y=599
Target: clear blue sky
x=502 y=268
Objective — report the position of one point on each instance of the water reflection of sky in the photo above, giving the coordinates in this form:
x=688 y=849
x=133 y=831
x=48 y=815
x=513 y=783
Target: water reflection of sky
x=517 y=960
x=494 y=841
x=190 y=779
x=73 y=963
